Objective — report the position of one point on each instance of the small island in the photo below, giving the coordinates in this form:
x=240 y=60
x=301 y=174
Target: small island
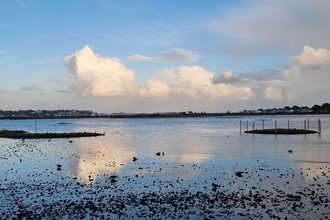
x=19 y=134
x=281 y=131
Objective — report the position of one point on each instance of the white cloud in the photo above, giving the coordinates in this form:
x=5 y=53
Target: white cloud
x=196 y=82
x=312 y=59
x=304 y=76
x=273 y=93
x=100 y=76
x=175 y=55
x=155 y=88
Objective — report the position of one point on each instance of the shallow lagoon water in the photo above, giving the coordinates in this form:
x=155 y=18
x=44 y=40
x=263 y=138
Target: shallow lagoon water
x=197 y=170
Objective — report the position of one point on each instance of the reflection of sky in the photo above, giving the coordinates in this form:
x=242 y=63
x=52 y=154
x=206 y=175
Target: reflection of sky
x=88 y=163
x=92 y=160
x=183 y=140
x=206 y=135
x=313 y=171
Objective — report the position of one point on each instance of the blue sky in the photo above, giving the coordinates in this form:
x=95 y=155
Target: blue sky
x=158 y=56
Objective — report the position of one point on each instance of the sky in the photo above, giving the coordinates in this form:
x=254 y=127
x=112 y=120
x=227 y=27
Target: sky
x=163 y=56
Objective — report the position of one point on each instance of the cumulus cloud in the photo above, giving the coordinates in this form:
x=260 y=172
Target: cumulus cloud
x=312 y=59
x=273 y=93
x=175 y=55
x=304 y=75
x=155 y=88
x=100 y=76
x=196 y=82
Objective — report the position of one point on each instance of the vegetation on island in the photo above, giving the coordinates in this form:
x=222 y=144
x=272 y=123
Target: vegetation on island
x=282 y=131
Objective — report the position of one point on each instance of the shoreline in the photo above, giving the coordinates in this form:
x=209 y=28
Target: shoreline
x=161 y=115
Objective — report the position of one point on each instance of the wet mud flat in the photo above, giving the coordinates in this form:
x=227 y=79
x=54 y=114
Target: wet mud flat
x=152 y=186
x=19 y=134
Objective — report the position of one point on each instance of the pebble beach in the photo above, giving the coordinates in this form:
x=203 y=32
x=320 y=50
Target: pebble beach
x=107 y=185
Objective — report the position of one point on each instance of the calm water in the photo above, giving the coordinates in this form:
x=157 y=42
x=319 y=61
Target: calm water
x=196 y=151
x=207 y=136
x=182 y=139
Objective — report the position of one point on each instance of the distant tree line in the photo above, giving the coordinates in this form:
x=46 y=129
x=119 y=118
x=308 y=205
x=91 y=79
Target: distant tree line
x=316 y=108
x=321 y=108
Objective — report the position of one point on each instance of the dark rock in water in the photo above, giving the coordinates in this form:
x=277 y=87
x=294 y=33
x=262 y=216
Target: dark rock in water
x=134 y=159
x=59 y=167
x=239 y=174
x=290 y=151
x=113 y=177
x=158 y=153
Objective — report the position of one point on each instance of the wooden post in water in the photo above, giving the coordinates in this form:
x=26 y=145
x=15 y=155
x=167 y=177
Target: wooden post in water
x=240 y=126
x=307 y=124
x=35 y=125
x=263 y=124
x=253 y=127
x=275 y=127
x=288 y=123
x=319 y=126
x=247 y=125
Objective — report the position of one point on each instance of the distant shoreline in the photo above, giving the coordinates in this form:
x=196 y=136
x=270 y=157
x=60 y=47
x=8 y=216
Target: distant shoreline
x=160 y=115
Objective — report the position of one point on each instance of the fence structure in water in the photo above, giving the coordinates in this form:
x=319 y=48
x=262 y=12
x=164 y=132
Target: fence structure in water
x=262 y=124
